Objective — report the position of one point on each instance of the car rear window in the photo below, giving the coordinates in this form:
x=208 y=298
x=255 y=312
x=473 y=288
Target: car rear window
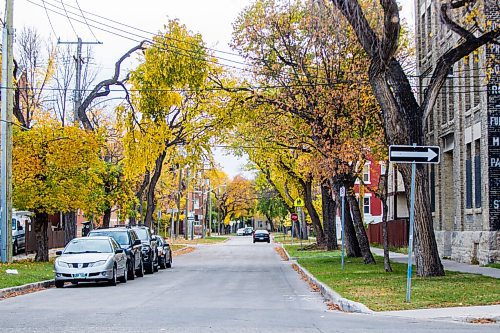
x=261 y=232
x=142 y=234
x=121 y=237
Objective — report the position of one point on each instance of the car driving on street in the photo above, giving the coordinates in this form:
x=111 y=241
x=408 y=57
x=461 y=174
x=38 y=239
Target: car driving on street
x=261 y=236
x=130 y=243
x=96 y=259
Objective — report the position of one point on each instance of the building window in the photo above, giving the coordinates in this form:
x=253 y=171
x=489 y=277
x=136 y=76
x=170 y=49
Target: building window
x=467 y=87
x=468 y=177
x=366 y=173
x=477 y=174
x=366 y=205
x=476 y=79
x=382 y=168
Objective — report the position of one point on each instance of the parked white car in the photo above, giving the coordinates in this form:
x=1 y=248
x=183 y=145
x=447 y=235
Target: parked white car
x=240 y=232
x=98 y=258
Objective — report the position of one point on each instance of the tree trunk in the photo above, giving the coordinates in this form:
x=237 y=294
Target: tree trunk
x=151 y=202
x=42 y=239
x=106 y=218
x=425 y=247
x=69 y=226
x=308 y=201
x=350 y=239
x=363 y=242
x=132 y=217
x=329 y=217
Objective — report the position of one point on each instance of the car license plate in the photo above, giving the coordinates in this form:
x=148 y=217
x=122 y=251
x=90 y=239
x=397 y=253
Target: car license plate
x=80 y=275
x=262 y=238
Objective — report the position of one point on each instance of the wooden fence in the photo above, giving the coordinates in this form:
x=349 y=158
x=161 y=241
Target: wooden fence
x=397 y=230
x=56 y=237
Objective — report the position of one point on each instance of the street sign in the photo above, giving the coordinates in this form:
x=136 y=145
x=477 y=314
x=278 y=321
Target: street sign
x=342 y=192
x=414 y=154
x=287 y=224
x=298 y=202
x=294 y=217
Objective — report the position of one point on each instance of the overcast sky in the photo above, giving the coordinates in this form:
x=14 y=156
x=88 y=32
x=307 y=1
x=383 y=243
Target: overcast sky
x=212 y=18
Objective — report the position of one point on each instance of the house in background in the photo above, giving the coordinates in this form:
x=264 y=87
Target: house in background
x=370 y=205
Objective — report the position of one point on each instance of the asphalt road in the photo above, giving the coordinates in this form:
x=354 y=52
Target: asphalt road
x=232 y=287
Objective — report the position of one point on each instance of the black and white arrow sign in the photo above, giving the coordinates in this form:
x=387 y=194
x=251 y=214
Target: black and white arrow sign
x=417 y=154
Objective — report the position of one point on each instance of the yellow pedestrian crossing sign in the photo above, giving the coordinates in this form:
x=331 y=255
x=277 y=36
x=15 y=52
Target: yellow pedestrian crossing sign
x=298 y=202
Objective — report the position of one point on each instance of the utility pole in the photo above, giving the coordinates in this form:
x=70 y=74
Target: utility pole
x=186 y=219
x=6 y=135
x=177 y=222
x=77 y=96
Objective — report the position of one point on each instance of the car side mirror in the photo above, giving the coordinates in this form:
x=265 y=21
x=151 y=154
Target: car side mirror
x=119 y=251
x=58 y=253
x=137 y=242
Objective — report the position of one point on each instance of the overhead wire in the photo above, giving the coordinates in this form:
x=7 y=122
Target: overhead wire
x=90 y=29
x=69 y=20
x=48 y=17
x=185 y=52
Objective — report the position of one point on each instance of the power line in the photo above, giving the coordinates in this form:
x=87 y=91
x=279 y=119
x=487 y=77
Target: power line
x=48 y=17
x=69 y=20
x=91 y=31
x=151 y=33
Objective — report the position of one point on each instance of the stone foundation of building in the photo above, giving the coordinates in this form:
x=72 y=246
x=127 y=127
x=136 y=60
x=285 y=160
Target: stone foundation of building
x=471 y=247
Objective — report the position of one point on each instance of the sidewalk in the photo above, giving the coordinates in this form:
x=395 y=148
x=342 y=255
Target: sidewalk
x=31 y=256
x=469 y=314
x=449 y=265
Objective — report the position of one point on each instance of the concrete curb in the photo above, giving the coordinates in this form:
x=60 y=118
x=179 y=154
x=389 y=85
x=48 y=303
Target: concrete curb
x=329 y=294
x=41 y=284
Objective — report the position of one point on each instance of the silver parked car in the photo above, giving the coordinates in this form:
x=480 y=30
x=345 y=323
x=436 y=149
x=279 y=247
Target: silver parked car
x=98 y=258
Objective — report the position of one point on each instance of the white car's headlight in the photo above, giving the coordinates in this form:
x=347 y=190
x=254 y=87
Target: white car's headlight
x=63 y=264
x=97 y=263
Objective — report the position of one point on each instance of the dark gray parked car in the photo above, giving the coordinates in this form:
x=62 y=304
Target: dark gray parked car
x=149 y=250
x=130 y=243
x=164 y=252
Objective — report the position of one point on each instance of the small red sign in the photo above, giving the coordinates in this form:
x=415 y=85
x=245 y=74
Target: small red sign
x=294 y=217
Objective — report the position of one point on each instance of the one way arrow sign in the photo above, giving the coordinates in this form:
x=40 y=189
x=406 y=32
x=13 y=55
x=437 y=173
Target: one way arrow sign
x=417 y=154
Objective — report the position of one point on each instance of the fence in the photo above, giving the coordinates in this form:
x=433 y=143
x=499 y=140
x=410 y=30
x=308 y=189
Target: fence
x=397 y=231
x=56 y=237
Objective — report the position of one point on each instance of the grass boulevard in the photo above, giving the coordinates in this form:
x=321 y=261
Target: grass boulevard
x=381 y=291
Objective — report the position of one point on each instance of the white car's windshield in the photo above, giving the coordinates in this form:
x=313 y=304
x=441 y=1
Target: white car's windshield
x=88 y=246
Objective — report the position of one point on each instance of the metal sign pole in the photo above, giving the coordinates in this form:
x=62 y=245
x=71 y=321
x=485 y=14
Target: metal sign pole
x=410 y=238
x=301 y=232
x=342 y=195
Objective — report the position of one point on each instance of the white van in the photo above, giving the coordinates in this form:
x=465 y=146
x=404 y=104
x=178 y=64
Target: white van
x=20 y=221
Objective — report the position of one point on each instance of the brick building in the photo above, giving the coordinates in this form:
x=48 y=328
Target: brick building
x=465 y=186
x=371 y=206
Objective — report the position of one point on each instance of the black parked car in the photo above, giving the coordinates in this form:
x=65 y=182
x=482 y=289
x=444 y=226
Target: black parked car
x=164 y=253
x=149 y=250
x=261 y=236
x=130 y=243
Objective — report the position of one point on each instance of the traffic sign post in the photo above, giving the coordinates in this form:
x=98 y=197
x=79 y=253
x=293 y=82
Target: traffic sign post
x=294 y=217
x=342 y=195
x=413 y=154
